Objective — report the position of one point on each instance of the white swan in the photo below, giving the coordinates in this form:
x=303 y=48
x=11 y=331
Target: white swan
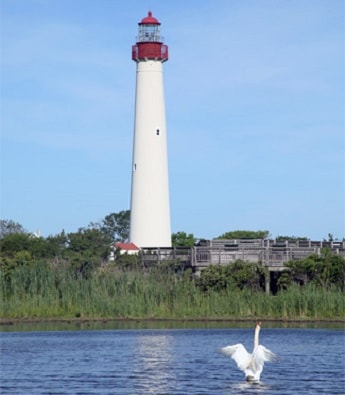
x=250 y=364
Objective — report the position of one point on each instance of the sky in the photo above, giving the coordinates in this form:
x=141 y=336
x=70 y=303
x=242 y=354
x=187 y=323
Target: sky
x=254 y=95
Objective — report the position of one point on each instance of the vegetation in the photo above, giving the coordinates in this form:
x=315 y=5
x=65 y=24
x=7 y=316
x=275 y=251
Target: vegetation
x=291 y=238
x=245 y=234
x=45 y=291
x=68 y=275
x=324 y=271
x=237 y=276
x=181 y=239
x=115 y=226
x=9 y=227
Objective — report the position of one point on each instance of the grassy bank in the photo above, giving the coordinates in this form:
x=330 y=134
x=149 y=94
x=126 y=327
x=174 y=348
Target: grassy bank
x=42 y=291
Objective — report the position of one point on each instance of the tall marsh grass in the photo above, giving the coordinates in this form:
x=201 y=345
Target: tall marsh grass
x=43 y=291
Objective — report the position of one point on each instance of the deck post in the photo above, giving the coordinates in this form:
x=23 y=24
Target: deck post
x=267 y=280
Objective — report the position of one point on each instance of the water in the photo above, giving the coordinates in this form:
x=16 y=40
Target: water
x=168 y=361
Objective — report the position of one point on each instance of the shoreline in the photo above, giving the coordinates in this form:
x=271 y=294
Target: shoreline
x=35 y=320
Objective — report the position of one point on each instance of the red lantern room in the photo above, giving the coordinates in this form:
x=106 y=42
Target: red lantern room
x=149 y=44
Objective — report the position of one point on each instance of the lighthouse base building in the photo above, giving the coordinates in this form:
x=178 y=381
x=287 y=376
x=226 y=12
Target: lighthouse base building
x=150 y=207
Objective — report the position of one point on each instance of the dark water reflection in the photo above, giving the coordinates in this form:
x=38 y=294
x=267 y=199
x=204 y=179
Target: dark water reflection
x=161 y=360
x=13 y=326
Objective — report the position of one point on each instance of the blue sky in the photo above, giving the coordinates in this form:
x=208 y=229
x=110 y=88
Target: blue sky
x=255 y=113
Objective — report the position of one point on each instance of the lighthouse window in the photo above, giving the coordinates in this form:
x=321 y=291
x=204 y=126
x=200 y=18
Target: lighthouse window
x=149 y=32
x=157 y=132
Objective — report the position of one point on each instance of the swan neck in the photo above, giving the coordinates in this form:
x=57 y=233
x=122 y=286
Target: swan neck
x=256 y=336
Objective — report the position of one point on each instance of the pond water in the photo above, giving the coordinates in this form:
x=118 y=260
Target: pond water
x=184 y=360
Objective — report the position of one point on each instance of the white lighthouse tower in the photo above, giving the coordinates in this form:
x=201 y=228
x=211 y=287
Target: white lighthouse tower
x=150 y=208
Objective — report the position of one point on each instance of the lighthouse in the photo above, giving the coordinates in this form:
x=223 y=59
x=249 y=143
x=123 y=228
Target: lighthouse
x=150 y=207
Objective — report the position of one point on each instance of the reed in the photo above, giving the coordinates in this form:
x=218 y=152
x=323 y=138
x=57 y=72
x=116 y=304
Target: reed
x=43 y=291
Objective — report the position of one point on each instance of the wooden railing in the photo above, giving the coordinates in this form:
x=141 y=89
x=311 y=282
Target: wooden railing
x=272 y=254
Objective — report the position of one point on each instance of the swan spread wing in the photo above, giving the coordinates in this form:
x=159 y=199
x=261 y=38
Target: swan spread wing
x=262 y=354
x=239 y=354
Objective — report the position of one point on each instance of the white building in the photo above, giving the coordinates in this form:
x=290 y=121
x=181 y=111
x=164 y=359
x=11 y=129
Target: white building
x=150 y=207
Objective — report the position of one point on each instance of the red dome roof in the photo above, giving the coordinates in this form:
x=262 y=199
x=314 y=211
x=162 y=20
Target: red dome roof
x=149 y=20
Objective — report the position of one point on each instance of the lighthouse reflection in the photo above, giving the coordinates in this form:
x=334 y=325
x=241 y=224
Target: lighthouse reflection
x=153 y=369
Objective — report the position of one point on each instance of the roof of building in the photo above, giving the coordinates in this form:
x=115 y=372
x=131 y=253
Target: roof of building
x=149 y=20
x=127 y=246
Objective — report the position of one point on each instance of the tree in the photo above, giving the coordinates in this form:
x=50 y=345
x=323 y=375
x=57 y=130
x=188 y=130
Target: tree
x=116 y=226
x=8 y=227
x=245 y=234
x=237 y=275
x=181 y=239
x=325 y=270
x=86 y=249
x=13 y=243
x=57 y=244
x=20 y=249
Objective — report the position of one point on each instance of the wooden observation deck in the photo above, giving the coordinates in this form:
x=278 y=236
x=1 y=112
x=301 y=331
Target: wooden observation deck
x=273 y=254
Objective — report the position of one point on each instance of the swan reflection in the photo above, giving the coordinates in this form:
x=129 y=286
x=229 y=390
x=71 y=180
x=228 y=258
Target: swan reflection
x=153 y=369
x=245 y=388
